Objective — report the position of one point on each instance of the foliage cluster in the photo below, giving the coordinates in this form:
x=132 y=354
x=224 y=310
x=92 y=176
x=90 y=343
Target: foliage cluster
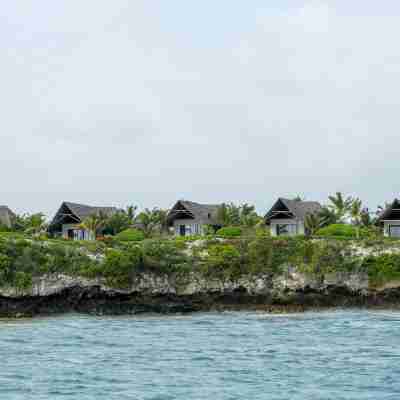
x=233 y=215
x=229 y=232
x=382 y=268
x=340 y=211
x=21 y=260
x=130 y=235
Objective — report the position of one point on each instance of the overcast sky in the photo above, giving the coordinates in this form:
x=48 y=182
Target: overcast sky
x=148 y=101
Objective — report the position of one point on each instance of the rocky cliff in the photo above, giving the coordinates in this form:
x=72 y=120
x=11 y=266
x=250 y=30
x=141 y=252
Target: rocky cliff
x=162 y=293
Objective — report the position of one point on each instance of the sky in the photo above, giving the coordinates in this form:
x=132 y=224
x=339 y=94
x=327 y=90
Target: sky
x=149 y=101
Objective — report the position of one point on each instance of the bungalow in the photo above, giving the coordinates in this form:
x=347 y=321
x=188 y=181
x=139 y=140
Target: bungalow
x=68 y=219
x=286 y=217
x=189 y=218
x=390 y=220
x=7 y=217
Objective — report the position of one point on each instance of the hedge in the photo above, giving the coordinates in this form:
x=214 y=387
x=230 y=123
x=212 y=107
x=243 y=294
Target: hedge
x=130 y=235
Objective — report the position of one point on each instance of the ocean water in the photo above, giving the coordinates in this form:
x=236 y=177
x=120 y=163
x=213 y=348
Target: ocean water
x=327 y=355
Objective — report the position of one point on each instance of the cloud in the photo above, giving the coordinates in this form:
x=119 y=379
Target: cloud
x=136 y=102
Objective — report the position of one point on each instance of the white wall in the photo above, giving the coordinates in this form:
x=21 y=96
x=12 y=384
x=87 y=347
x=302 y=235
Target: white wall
x=190 y=226
x=386 y=226
x=299 y=226
x=79 y=234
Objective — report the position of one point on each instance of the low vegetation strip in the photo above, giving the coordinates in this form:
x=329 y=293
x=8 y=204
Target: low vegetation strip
x=22 y=259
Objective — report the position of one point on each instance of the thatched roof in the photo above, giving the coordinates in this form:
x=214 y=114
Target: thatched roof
x=292 y=209
x=391 y=213
x=6 y=216
x=83 y=211
x=76 y=213
x=205 y=213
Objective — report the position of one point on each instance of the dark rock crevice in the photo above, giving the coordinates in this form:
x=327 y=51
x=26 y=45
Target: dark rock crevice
x=95 y=300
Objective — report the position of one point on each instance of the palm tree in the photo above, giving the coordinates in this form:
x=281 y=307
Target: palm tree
x=228 y=215
x=35 y=223
x=248 y=215
x=131 y=212
x=163 y=219
x=328 y=216
x=313 y=222
x=93 y=224
x=340 y=206
x=356 y=212
x=151 y=220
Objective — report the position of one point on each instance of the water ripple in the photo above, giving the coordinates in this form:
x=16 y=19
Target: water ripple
x=331 y=355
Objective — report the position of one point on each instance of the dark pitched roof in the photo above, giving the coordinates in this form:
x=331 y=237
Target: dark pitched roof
x=392 y=212
x=83 y=211
x=207 y=213
x=294 y=208
x=6 y=216
x=77 y=213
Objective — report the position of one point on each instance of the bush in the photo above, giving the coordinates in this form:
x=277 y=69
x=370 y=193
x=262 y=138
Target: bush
x=229 y=232
x=338 y=230
x=119 y=266
x=130 y=235
x=223 y=260
x=260 y=254
x=382 y=268
x=4 y=228
x=163 y=256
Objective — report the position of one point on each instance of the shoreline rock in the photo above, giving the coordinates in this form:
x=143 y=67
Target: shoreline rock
x=167 y=294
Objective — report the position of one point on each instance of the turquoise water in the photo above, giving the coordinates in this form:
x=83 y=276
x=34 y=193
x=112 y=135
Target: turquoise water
x=330 y=355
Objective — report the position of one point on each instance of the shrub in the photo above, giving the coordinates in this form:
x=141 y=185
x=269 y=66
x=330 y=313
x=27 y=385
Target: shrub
x=338 y=230
x=119 y=266
x=261 y=254
x=382 y=268
x=229 y=232
x=130 y=235
x=163 y=255
x=4 y=228
x=222 y=260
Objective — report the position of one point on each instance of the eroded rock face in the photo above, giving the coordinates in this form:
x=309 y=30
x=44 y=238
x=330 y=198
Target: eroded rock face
x=164 y=293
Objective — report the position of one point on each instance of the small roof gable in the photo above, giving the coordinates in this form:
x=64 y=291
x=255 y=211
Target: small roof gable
x=293 y=209
x=392 y=212
x=207 y=213
x=83 y=211
x=78 y=213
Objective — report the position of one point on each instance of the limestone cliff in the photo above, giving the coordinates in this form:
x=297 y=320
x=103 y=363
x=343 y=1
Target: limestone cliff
x=162 y=293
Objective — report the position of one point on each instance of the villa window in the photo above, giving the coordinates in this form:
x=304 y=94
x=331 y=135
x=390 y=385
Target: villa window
x=286 y=229
x=394 y=231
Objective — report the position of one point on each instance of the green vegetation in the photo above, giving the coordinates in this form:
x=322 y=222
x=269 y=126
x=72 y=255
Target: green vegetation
x=337 y=230
x=233 y=215
x=382 y=268
x=229 y=232
x=22 y=260
x=223 y=261
x=119 y=221
x=152 y=222
x=341 y=237
x=130 y=235
x=119 y=266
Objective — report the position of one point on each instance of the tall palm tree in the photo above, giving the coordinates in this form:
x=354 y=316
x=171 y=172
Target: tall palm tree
x=152 y=220
x=328 y=215
x=35 y=223
x=131 y=213
x=313 y=222
x=340 y=206
x=93 y=224
x=356 y=212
